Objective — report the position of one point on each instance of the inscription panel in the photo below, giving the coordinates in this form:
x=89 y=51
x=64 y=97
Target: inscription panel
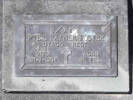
x=66 y=46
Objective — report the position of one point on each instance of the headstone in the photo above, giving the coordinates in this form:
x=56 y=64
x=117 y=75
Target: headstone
x=65 y=46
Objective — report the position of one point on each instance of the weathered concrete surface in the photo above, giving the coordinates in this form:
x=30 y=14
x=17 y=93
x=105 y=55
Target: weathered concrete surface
x=66 y=97
x=58 y=96
x=59 y=7
x=0 y=46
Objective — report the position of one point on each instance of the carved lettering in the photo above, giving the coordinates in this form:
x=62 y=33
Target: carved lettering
x=64 y=45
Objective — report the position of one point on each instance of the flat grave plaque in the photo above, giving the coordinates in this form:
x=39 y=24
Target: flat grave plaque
x=66 y=45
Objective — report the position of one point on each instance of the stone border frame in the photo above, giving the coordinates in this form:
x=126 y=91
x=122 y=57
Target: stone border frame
x=22 y=69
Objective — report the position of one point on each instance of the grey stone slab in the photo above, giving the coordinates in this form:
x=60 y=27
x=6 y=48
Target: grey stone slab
x=132 y=3
x=76 y=45
x=13 y=47
x=41 y=96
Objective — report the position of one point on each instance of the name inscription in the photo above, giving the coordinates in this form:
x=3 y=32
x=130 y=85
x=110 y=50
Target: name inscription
x=67 y=46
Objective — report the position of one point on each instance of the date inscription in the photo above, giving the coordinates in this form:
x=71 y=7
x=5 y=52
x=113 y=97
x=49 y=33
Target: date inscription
x=67 y=46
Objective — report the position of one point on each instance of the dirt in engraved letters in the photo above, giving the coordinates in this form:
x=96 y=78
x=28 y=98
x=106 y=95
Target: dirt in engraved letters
x=61 y=44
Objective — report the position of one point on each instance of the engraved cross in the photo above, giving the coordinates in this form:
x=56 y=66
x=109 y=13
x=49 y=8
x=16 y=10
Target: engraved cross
x=66 y=51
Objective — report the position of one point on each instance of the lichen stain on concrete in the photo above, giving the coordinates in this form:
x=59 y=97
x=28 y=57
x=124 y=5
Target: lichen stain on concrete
x=67 y=86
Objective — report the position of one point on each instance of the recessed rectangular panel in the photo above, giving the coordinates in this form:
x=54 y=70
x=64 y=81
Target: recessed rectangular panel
x=66 y=45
